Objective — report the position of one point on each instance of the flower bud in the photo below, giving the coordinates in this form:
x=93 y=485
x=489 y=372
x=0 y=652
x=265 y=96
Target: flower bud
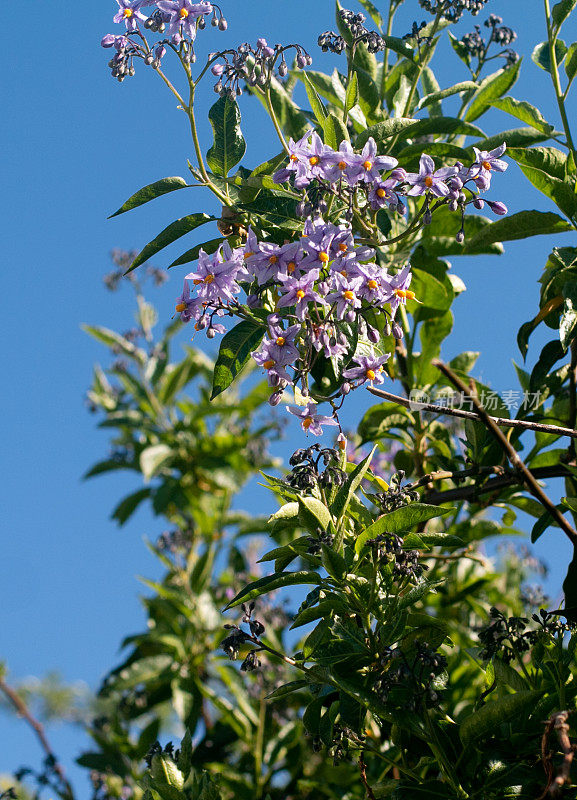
x=460 y=237
x=252 y=301
x=387 y=329
x=399 y=174
x=275 y=398
x=397 y=331
x=217 y=70
x=108 y=40
x=283 y=69
x=301 y=61
x=211 y=333
x=345 y=388
x=427 y=217
x=478 y=202
x=497 y=207
x=453 y=205
x=222 y=24
x=373 y=334
x=482 y=182
x=176 y=39
x=350 y=316
x=462 y=197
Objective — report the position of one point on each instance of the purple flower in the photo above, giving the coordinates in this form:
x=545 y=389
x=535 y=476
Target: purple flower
x=324 y=336
x=497 y=207
x=307 y=159
x=310 y=421
x=370 y=368
x=487 y=161
x=399 y=289
x=370 y=165
x=299 y=291
x=429 y=179
x=344 y=295
x=216 y=280
x=381 y=194
x=185 y=306
x=183 y=15
x=129 y=13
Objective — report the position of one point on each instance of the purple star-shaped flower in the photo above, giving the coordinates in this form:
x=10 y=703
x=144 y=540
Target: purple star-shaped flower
x=399 y=291
x=487 y=161
x=183 y=15
x=429 y=179
x=344 y=295
x=370 y=368
x=215 y=279
x=185 y=306
x=311 y=422
x=299 y=292
x=129 y=13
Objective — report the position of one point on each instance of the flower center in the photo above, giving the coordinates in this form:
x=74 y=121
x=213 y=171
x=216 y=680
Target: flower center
x=183 y=14
x=405 y=293
x=348 y=295
x=292 y=157
x=290 y=267
x=269 y=364
x=342 y=165
x=307 y=422
x=313 y=161
x=372 y=284
x=371 y=375
x=428 y=181
x=368 y=165
x=343 y=248
x=181 y=307
x=273 y=259
x=300 y=294
x=248 y=254
x=127 y=13
x=381 y=193
x=487 y=165
x=324 y=257
x=280 y=340
x=209 y=278
x=343 y=273
x=197 y=281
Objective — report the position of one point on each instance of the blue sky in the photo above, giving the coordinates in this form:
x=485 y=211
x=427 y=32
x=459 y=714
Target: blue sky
x=76 y=144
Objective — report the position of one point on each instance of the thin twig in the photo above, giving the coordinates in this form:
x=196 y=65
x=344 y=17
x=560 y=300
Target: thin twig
x=558 y=722
x=511 y=453
x=363 y=771
x=23 y=711
x=457 y=412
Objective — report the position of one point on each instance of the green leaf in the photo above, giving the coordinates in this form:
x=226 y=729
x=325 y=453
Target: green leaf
x=403 y=519
x=569 y=316
x=541 y=55
x=431 y=86
x=545 y=168
x=561 y=11
x=229 y=144
x=333 y=562
x=126 y=508
x=287 y=688
x=399 y=46
x=488 y=718
x=272 y=582
x=525 y=112
x=152 y=458
x=169 y=235
x=150 y=192
x=313 y=514
x=571 y=61
x=384 y=130
x=317 y=106
x=352 y=94
x=347 y=490
x=491 y=88
x=209 y=247
x=435 y=97
x=115 y=341
x=520 y=226
x=334 y=131
x=234 y=353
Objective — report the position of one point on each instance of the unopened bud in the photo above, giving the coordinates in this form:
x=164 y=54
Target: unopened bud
x=373 y=334
x=341 y=441
x=222 y=24
x=460 y=237
x=275 y=399
x=453 y=205
x=387 y=329
x=108 y=40
x=301 y=61
x=497 y=207
x=282 y=69
x=345 y=388
x=478 y=202
x=211 y=333
x=397 y=331
x=427 y=217
x=398 y=174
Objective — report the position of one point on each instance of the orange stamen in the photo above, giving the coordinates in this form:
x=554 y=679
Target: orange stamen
x=180 y=308
x=343 y=248
x=486 y=165
x=290 y=267
x=183 y=13
x=324 y=257
x=280 y=340
x=313 y=161
x=300 y=294
x=307 y=422
x=428 y=181
x=381 y=193
x=209 y=278
x=370 y=374
x=372 y=284
x=273 y=259
x=269 y=364
x=368 y=165
x=348 y=295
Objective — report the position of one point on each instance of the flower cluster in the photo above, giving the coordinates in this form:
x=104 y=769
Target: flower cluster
x=329 y=40
x=321 y=293
x=255 y=65
x=476 y=46
x=178 y=19
x=452 y=10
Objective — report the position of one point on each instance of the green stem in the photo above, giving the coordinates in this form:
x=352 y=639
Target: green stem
x=392 y=9
x=556 y=81
x=225 y=200
x=422 y=65
x=274 y=119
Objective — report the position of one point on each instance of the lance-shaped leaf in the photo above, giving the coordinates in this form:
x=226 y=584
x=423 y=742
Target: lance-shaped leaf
x=403 y=519
x=229 y=144
x=317 y=106
x=525 y=112
x=271 y=582
x=488 y=718
x=435 y=97
x=351 y=485
x=192 y=254
x=541 y=55
x=150 y=192
x=493 y=87
x=561 y=11
x=235 y=350
x=545 y=168
x=568 y=321
x=170 y=234
x=520 y=226
x=422 y=127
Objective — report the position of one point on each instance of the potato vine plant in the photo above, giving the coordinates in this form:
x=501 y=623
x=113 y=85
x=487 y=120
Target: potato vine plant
x=422 y=672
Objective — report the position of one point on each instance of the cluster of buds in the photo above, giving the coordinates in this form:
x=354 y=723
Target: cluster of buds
x=254 y=65
x=506 y=637
x=397 y=495
x=232 y=643
x=408 y=681
x=315 y=466
x=329 y=40
x=388 y=547
x=476 y=46
x=452 y=10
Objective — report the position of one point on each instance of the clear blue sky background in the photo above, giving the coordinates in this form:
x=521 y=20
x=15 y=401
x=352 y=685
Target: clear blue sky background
x=76 y=144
